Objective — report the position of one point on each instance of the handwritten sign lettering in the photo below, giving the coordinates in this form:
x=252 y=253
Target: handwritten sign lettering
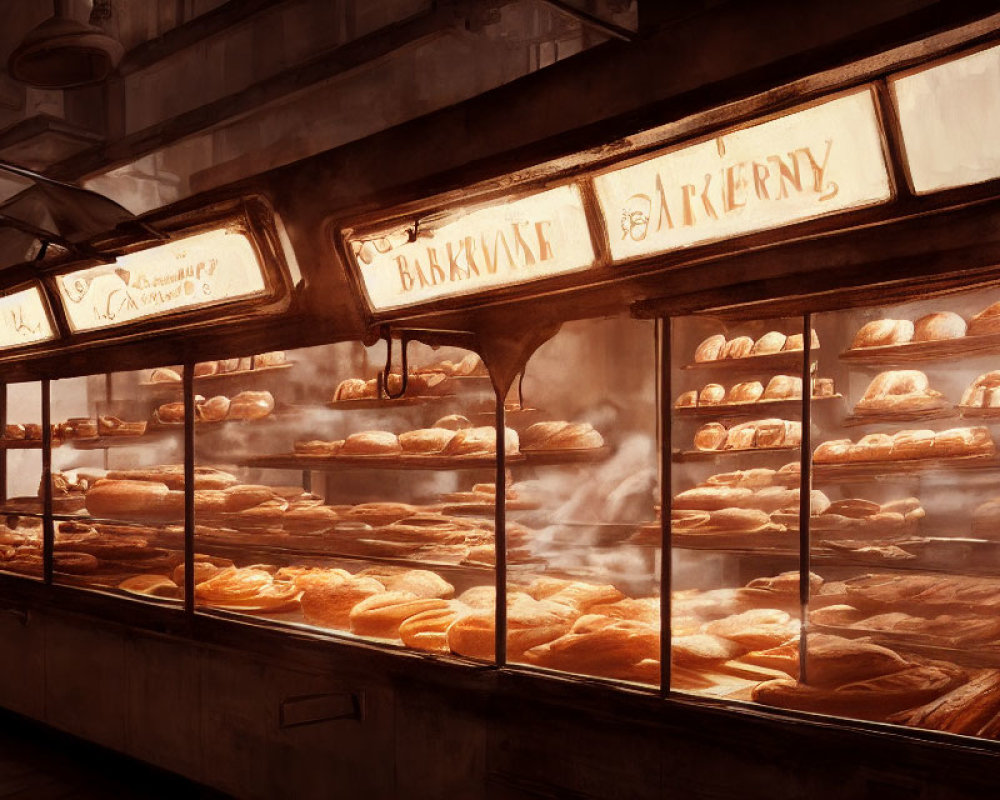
x=199 y=270
x=809 y=163
x=23 y=319
x=466 y=252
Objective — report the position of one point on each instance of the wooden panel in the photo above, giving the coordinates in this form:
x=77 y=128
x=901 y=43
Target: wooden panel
x=163 y=702
x=22 y=667
x=84 y=679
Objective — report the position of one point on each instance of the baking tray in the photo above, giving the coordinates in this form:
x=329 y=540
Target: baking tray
x=890 y=354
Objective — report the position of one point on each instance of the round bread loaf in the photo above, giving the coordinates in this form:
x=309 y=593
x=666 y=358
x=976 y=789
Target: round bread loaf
x=711 y=349
x=881 y=332
x=453 y=422
x=165 y=375
x=251 y=405
x=897 y=382
x=770 y=342
x=115 y=498
x=710 y=436
x=381 y=614
x=329 y=601
x=796 y=341
x=739 y=347
x=428 y=630
x=783 y=387
x=205 y=368
x=746 y=392
x=687 y=399
x=711 y=394
x=940 y=325
x=215 y=409
x=836 y=451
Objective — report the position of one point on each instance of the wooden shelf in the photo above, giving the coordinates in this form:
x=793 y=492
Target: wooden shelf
x=681 y=456
x=749 y=409
x=900 y=468
x=784 y=360
x=558 y=457
x=863 y=417
x=912 y=352
x=403 y=462
x=218 y=378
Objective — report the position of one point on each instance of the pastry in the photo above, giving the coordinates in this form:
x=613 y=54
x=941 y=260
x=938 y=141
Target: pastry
x=368 y=443
x=701 y=649
x=770 y=342
x=428 y=630
x=711 y=394
x=328 y=600
x=882 y=332
x=113 y=426
x=418 y=582
x=380 y=513
x=739 y=347
x=839 y=614
x=746 y=392
x=381 y=614
x=783 y=387
x=940 y=325
x=711 y=349
x=711 y=436
x=599 y=645
x=251 y=405
x=986 y=321
x=756 y=629
x=170 y=413
x=426 y=440
x=687 y=399
x=152 y=585
x=965 y=709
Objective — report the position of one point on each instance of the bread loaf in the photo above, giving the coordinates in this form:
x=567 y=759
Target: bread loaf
x=214 y=409
x=426 y=440
x=771 y=342
x=986 y=321
x=872 y=447
x=796 y=341
x=127 y=498
x=352 y=389
x=710 y=436
x=428 y=630
x=170 y=413
x=273 y=358
x=881 y=332
x=480 y=441
x=251 y=405
x=913 y=444
x=711 y=395
x=165 y=375
x=710 y=498
x=561 y=436
x=747 y=392
x=368 y=443
x=783 y=387
x=836 y=451
x=823 y=387
x=687 y=399
x=329 y=600
x=381 y=614
x=711 y=349
x=740 y=347
x=741 y=437
x=453 y=422
x=940 y=325
x=205 y=368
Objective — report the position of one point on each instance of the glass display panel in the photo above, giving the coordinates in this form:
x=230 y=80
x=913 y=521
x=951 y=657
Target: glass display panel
x=25 y=319
x=812 y=162
x=583 y=535
x=736 y=438
x=903 y=623
x=201 y=270
x=466 y=251
x=21 y=452
x=949 y=115
x=321 y=503
x=117 y=488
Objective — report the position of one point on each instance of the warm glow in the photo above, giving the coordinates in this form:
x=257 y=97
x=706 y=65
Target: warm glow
x=199 y=270
x=465 y=252
x=809 y=163
x=25 y=320
x=950 y=118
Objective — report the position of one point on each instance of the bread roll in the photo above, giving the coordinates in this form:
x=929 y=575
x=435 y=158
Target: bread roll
x=352 y=389
x=687 y=399
x=796 y=341
x=453 y=422
x=739 y=519
x=746 y=392
x=701 y=648
x=425 y=440
x=205 y=368
x=783 y=387
x=369 y=443
x=214 y=409
x=756 y=629
x=710 y=436
x=739 y=347
x=741 y=437
x=770 y=342
x=328 y=601
x=711 y=349
x=940 y=325
x=872 y=447
x=251 y=405
x=170 y=413
x=963 y=442
x=381 y=614
x=881 y=332
x=428 y=630
x=419 y=582
x=712 y=394
x=836 y=451
x=165 y=375
x=823 y=387
x=274 y=358
x=599 y=645
x=480 y=441
x=127 y=498
x=986 y=321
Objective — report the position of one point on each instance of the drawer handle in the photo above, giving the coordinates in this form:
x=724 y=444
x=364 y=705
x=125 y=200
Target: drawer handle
x=315 y=708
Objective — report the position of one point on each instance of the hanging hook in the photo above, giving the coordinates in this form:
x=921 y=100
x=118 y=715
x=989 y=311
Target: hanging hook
x=383 y=376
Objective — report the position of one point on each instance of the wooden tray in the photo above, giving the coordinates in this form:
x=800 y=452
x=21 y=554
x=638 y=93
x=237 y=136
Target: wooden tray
x=749 y=409
x=910 y=352
x=410 y=461
x=972 y=412
x=786 y=359
x=708 y=455
x=767 y=537
x=382 y=402
x=863 y=417
x=217 y=378
x=568 y=456
x=24 y=444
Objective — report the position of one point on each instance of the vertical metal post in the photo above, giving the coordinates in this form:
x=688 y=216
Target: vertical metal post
x=805 y=492
x=663 y=425
x=189 y=520
x=48 y=526
x=500 y=533
x=109 y=397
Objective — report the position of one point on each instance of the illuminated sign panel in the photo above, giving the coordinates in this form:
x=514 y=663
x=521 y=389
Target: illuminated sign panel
x=809 y=163
x=462 y=253
x=24 y=319
x=200 y=270
x=950 y=118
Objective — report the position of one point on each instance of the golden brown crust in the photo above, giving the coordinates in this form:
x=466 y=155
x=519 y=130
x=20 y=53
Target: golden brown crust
x=770 y=342
x=251 y=405
x=939 y=325
x=711 y=436
x=881 y=332
x=367 y=443
x=711 y=349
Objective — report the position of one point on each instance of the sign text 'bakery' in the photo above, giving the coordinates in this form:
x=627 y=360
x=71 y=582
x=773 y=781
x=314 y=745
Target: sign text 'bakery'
x=465 y=252
x=809 y=163
x=200 y=270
